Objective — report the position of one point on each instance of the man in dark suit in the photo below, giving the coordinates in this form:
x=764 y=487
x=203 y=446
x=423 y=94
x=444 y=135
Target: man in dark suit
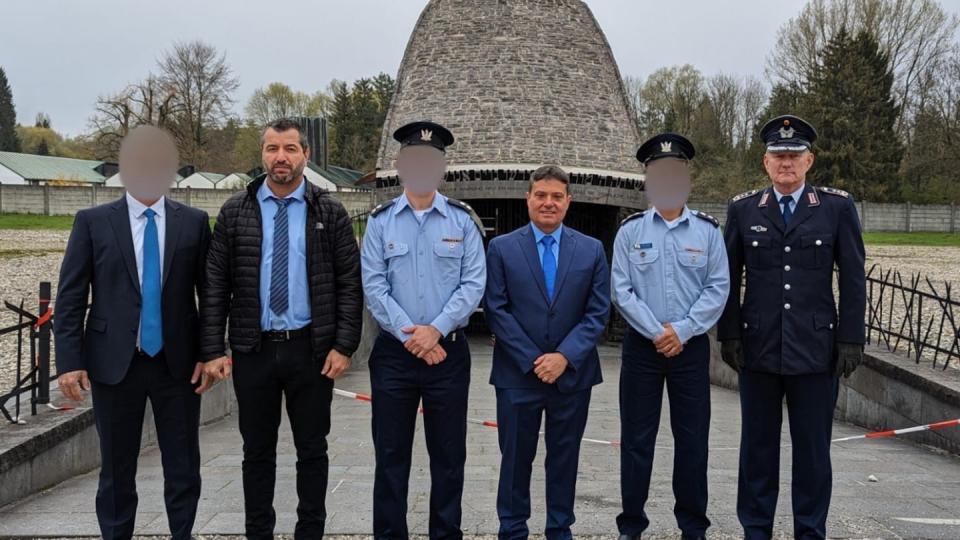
x=789 y=339
x=547 y=302
x=143 y=257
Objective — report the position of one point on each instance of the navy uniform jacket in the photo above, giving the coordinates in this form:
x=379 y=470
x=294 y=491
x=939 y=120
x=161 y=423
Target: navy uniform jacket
x=788 y=321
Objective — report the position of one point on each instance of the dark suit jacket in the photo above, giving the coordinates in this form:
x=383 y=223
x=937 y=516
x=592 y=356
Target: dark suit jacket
x=527 y=324
x=100 y=256
x=788 y=319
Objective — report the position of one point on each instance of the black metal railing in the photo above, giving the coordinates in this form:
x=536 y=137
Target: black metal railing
x=913 y=315
x=34 y=375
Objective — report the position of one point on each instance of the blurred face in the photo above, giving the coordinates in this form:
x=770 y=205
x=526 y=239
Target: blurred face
x=667 y=183
x=282 y=156
x=787 y=170
x=148 y=163
x=547 y=203
x=421 y=169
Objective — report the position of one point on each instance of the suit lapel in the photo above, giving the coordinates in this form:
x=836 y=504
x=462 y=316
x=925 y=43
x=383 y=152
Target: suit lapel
x=804 y=208
x=567 y=249
x=772 y=208
x=528 y=246
x=120 y=221
x=172 y=235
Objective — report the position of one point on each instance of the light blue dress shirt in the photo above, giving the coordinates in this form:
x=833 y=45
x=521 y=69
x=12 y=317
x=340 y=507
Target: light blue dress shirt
x=298 y=313
x=422 y=272
x=670 y=273
x=555 y=248
x=795 y=195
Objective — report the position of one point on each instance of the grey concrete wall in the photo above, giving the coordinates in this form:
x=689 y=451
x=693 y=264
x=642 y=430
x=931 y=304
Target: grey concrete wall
x=877 y=217
x=68 y=200
x=888 y=391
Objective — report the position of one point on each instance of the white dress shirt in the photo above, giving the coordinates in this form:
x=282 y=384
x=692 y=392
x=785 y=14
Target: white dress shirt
x=138 y=225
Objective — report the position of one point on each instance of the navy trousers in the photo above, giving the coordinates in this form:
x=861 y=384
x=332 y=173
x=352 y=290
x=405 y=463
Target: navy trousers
x=399 y=381
x=810 y=403
x=642 y=376
x=118 y=410
x=520 y=412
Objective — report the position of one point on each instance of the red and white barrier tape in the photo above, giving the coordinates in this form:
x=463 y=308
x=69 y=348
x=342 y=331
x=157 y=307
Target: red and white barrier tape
x=616 y=444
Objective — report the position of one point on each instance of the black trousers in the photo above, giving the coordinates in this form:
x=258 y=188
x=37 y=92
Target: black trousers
x=399 y=381
x=642 y=377
x=118 y=410
x=262 y=380
x=810 y=403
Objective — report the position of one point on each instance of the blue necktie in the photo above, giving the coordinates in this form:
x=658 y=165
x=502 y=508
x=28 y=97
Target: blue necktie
x=151 y=319
x=279 y=300
x=549 y=264
x=787 y=203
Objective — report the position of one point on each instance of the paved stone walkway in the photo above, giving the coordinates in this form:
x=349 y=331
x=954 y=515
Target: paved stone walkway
x=916 y=493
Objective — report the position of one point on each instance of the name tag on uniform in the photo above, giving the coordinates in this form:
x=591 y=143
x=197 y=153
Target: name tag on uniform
x=452 y=240
x=693 y=250
x=645 y=245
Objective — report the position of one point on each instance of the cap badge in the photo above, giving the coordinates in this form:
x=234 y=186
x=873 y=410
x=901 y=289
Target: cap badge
x=666 y=147
x=786 y=133
x=426 y=135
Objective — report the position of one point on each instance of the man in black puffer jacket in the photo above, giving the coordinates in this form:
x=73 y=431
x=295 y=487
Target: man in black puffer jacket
x=284 y=266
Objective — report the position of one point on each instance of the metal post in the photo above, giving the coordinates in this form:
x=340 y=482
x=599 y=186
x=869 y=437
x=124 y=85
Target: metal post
x=43 y=346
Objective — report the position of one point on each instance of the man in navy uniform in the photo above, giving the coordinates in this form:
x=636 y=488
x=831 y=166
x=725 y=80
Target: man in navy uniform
x=547 y=302
x=423 y=274
x=787 y=338
x=670 y=281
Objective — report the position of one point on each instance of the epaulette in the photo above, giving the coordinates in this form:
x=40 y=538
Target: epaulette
x=746 y=194
x=834 y=191
x=631 y=217
x=381 y=207
x=473 y=215
x=706 y=217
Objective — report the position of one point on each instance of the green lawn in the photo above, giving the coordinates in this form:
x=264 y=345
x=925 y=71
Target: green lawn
x=21 y=222
x=912 y=239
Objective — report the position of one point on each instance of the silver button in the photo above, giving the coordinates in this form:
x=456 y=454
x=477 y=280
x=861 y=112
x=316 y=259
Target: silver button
x=786 y=249
x=755 y=243
x=786 y=268
x=786 y=286
x=745 y=325
x=818 y=242
x=831 y=326
x=786 y=306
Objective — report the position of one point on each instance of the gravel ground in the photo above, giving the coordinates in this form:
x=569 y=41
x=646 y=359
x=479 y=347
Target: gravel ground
x=28 y=257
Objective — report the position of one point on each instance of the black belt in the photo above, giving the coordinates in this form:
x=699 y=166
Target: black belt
x=285 y=335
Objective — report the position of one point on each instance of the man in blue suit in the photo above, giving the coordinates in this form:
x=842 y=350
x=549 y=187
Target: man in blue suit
x=547 y=302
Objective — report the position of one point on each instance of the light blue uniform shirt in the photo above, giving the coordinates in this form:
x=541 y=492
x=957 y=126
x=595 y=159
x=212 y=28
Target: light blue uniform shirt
x=555 y=248
x=422 y=272
x=298 y=313
x=670 y=273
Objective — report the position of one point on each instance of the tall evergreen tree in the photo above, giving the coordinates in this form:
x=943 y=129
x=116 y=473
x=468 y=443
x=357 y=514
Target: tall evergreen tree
x=8 y=117
x=850 y=102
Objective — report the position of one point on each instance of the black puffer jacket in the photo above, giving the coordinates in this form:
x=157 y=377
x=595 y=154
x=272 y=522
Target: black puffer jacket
x=233 y=276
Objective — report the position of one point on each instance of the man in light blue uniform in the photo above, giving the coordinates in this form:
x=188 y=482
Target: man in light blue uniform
x=670 y=281
x=424 y=272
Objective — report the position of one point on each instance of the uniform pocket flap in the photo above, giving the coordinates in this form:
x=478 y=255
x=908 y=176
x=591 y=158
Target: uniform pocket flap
x=394 y=249
x=816 y=240
x=757 y=241
x=644 y=256
x=448 y=249
x=824 y=321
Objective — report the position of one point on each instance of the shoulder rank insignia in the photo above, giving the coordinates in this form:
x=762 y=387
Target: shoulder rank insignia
x=473 y=215
x=706 y=217
x=631 y=217
x=834 y=191
x=746 y=194
x=381 y=207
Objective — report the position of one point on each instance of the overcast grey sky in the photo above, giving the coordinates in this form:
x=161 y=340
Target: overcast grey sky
x=59 y=55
